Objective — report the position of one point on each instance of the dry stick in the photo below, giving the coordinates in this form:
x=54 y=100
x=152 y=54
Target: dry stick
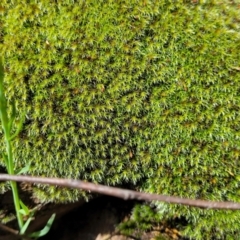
x=121 y=193
x=13 y=232
x=8 y=229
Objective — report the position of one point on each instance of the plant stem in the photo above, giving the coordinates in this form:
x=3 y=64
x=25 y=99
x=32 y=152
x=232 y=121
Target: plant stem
x=7 y=135
x=13 y=184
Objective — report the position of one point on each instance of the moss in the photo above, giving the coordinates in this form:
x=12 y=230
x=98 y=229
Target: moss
x=143 y=92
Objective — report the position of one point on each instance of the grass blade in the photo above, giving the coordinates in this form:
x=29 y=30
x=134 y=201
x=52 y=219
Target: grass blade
x=45 y=230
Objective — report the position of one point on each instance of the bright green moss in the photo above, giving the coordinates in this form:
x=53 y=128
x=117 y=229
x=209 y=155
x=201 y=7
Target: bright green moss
x=145 y=92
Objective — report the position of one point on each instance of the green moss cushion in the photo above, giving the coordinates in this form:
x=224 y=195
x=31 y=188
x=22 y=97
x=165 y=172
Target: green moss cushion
x=141 y=92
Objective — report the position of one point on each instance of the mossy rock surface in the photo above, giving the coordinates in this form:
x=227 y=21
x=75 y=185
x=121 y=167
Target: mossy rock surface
x=141 y=92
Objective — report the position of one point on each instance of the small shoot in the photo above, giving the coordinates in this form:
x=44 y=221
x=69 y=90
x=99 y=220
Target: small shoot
x=22 y=211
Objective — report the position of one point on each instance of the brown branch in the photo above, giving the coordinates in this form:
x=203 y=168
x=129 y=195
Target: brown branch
x=14 y=234
x=8 y=229
x=121 y=193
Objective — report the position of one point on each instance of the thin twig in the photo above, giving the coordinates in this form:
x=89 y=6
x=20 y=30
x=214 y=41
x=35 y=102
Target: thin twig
x=8 y=229
x=121 y=193
x=14 y=233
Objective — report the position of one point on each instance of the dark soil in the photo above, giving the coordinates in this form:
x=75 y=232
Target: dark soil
x=96 y=220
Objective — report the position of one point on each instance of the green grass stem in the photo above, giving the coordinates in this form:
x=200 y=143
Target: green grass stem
x=7 y=135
